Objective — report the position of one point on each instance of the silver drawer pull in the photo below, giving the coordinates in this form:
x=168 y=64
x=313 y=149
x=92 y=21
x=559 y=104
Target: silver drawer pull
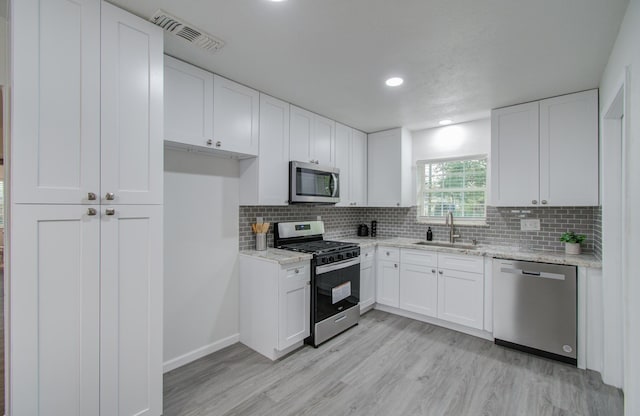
x=110 y=196
x=433 y=270
x=218 y=143
x=91 y=196
x=343 y=317
x=297 y=271
x=440 y=271
x=110 y=211
x=92 y=211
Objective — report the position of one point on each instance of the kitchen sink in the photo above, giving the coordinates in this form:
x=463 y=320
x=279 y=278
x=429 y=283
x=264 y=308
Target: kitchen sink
x=448 y=245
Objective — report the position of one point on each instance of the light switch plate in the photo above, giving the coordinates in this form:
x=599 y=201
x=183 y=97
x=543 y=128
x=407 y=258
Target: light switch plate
x=530 y=225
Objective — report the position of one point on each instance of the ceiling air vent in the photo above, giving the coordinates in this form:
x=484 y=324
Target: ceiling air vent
x=186 y=31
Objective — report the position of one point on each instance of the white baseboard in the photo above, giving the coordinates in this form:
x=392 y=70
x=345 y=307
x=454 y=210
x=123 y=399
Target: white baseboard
x=174 y=363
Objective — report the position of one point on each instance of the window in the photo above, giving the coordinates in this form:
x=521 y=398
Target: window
x=457 y=185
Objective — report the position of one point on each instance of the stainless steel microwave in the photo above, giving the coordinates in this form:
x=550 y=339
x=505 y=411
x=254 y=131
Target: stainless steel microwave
x=314 y=184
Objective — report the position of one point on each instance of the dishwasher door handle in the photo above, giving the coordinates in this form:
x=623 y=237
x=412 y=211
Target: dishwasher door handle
x=544 y=275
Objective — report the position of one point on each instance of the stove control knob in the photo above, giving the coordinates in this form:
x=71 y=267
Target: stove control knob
x=330 y=259
x=324 y=259
x=356 y=254
x=349 y=255
x=340 y=256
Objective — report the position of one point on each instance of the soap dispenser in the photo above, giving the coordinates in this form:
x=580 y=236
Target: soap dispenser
x=429 y=234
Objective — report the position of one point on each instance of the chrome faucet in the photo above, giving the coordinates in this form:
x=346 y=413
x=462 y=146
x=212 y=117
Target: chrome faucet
x=452 y=236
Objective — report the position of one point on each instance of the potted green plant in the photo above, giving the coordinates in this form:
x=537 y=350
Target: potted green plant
x=572 y=242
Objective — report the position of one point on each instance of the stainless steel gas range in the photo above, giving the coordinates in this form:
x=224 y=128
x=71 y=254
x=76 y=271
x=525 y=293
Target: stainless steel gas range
x=335 y=277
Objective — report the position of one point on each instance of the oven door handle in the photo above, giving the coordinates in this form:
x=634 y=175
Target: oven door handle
x=336 y=266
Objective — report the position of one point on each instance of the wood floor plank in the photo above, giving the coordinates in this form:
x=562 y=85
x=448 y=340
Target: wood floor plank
x=387 y=365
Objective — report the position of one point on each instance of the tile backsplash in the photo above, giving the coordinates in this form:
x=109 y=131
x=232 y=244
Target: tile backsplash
x=503 y=225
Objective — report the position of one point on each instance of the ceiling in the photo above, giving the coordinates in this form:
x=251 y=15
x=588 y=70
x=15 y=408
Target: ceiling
x=459 y=58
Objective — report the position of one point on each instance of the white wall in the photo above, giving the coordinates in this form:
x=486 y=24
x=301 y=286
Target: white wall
x=472 y=138
x=626 y=55
x=200 y=256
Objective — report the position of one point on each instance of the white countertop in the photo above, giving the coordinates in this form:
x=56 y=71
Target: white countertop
x=503 y=252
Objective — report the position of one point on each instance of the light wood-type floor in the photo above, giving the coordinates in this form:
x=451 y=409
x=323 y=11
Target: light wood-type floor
x=388 y=365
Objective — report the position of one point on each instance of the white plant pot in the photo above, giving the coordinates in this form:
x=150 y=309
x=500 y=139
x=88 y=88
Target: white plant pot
x=572 y=248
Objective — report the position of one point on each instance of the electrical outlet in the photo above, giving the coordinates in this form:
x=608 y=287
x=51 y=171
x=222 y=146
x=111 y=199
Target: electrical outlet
x=319 y=218
x=530 y=225
x=259 y=220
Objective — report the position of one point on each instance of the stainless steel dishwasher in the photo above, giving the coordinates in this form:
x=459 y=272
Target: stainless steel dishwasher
x=534 y=308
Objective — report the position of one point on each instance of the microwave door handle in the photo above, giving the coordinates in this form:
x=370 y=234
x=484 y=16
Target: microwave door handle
x=334 y=179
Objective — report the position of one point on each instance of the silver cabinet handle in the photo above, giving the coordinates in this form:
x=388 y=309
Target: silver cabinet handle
x=110 y=211
x=440 y=271
x=534 y=202
x=366 y=255
x=91 y=196
x=397 y=204
x=92 y=211
x=544 y=202
x=209 y=142
x=218 y=143
x=433 y=270
x=297 y=271
x=395 y=265
x=388 y=253
x=110 y=196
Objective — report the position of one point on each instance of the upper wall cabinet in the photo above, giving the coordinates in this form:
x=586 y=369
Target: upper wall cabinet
x=236 y=111
x=56 y=101
x=265 y=180
x=312 y=137
x=188 y=103
x=351 y=159
x=208 y=113
x=390 y=179
x=546 y=152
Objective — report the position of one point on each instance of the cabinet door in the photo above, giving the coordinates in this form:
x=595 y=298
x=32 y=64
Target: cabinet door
x=188 y=103
x=358 y=168
x=343 y=162
x=385 y=173
x=367 y=284
x=301 y=134
x=388 y=283
x=55 y=101
x=294 y=306
x=131 y=309
x=55 y=310
x=273 y=178
x=324 y=141
x=132 y=108
x=235 y=116
x=461 y=297
x=419 y=289
x=569 y=136
x=515 y=155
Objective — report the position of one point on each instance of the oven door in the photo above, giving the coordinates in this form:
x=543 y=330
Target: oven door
x=310 y=183
x=336 y=288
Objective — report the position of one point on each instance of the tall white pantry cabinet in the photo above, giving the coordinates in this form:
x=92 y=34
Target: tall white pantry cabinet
x=86 y=214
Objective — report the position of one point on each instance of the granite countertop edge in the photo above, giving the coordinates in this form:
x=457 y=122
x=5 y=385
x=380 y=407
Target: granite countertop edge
x=504 y=252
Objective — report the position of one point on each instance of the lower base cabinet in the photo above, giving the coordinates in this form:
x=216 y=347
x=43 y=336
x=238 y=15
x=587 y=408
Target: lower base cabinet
x=274 y=305
x=388 y=276
x=367 y=278
x=460 y=298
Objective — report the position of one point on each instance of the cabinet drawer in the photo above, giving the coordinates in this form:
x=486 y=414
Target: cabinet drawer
x=300 y=271
x=388 y=253
x=419 y=257
x=472 y=264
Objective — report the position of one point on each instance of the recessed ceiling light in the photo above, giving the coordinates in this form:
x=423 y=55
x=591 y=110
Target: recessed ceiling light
x=445 y=122
x=394 y=82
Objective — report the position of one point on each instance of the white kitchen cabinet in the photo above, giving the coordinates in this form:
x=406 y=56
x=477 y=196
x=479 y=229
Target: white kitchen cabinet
x=569 y=132
x=419 y=282
x=55 y=101
x=461 y=289
x=265 y=180
x=390 y=178
x=514 y=155
x=131 y=148
x=367 y=279
x=93 y=344
x=312 y=137
x=351 y=154
x=388 y=276
x=188 y=103
x=531 y=145
x=294 y=306
x=55 y=339
x=236 y=110
x=274 y=305
x=131 y=310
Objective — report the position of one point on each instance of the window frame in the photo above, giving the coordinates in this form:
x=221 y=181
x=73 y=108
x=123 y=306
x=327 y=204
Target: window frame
x=420 y=167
